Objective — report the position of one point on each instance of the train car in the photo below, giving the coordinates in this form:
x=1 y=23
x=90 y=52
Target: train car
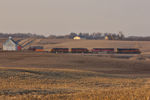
x=103 y=50
x=79 y=50
x=36 y=48
x=60 y=50
x=128 y=51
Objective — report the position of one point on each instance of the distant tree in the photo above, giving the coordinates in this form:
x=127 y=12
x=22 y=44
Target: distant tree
x=52 y=36
x=72 y=35
x=121 y=35
x=96 y=36
x=20 y=35
x=80 y=34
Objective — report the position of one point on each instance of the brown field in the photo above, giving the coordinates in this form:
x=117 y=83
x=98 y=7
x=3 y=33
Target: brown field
x=45 y=76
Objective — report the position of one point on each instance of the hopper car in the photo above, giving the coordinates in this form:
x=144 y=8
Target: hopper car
x=103 y=50
x=79 y=50
x=60 y=50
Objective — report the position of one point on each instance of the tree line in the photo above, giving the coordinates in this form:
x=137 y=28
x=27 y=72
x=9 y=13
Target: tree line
x=21 y=35
x=88 y=36
x=92 y=36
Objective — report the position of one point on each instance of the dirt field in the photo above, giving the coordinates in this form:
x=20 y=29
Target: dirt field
x=45 y=76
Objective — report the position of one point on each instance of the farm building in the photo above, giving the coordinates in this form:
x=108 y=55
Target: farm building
x=106 y=38
x=76 y=38
x=11 y=45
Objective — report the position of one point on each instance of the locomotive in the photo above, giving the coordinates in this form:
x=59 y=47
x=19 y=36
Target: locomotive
x=128 y=51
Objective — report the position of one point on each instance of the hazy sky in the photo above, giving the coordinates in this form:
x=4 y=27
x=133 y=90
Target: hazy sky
x=65 y=16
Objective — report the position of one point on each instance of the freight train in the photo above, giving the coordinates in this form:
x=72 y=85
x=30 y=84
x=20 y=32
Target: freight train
x=97 y=50
x=92 y=51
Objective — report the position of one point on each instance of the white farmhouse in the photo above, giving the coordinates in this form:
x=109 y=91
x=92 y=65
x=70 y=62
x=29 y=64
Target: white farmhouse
x=11 y=45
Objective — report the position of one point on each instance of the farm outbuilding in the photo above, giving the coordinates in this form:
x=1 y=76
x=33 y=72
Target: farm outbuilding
x=76 y=38
x=11 y=45
x=106 y=38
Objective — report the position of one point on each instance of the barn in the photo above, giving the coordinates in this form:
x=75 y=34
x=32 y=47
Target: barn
x=11 y=45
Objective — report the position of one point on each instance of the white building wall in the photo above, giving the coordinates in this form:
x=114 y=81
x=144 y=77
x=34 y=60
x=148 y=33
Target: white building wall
x=9 y=45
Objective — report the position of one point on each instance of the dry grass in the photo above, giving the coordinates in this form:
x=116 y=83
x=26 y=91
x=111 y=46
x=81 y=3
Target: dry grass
x=43 y=76
x=66 y=84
